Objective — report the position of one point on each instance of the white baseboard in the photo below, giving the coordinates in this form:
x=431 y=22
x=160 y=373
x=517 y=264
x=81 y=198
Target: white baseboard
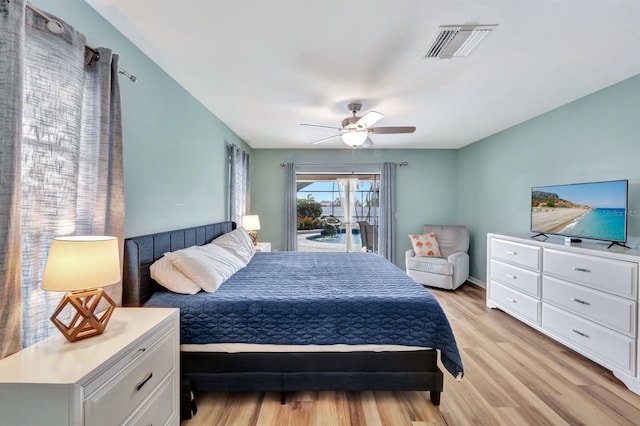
x=477 y=282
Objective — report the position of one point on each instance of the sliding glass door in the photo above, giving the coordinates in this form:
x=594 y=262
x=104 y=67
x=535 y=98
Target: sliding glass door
x=337 y=212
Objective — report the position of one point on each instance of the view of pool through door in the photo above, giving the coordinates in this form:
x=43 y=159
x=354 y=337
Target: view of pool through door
x=329 y=205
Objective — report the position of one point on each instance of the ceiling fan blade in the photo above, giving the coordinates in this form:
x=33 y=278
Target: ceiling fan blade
x=320 y=125
x=369 y=119
x=325 y=139
x=388 y=130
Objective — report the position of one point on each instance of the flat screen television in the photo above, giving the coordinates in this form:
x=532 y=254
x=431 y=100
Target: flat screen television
x=593 y=210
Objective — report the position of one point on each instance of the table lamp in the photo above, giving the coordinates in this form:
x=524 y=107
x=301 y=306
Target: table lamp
x=252 y=224
x=81 y=266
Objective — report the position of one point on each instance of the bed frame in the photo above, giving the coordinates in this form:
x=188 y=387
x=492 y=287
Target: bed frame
x=282 y=372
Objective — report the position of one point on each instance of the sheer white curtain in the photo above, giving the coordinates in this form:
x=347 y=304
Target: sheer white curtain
x=61 y=160
x=347 y=189
x=239 y=186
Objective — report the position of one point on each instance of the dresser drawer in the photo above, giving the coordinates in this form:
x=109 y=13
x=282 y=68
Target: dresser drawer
x=613 y=276
x=516 y=254
x=515 y=302
x=612 y=311
x=125 y=391
x=160 y=409
x=518 y=278
x=615 y=350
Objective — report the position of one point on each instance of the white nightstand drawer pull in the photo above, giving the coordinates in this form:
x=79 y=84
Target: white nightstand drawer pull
x=580 y=333
x=575 y=268
x=144 y=381
x=511 y=300
x=513 y=277
x=512 y=252
x=582 y=302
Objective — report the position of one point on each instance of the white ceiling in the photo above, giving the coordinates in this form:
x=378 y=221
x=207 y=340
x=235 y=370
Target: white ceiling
x=265 y=66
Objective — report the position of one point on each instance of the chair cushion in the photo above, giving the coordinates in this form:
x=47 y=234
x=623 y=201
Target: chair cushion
x=451 y=238
x=434 y=265
x=425 y=245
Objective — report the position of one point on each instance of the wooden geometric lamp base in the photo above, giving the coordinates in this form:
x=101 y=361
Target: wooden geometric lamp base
x=85 y=322
x=254 y=236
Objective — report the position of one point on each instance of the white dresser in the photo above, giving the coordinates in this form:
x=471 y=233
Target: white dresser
x=127 y=375
x=583 y=295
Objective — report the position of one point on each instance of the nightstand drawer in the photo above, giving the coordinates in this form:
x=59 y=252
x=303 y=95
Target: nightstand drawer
x=263 y=247
x=160 y=409
x=123 y=393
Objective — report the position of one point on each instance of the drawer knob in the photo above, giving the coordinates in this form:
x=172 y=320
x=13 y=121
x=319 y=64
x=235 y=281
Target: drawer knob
x=580 y=333
x=512 y=252
x=144 y=381
x=511 y=300
x=575 y=268
x=511 y=276
x=582 y=302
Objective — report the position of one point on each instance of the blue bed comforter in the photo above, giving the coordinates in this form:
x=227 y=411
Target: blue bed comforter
x=297 y=298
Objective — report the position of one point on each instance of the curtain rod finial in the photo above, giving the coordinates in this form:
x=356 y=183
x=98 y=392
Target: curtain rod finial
x=131 y=77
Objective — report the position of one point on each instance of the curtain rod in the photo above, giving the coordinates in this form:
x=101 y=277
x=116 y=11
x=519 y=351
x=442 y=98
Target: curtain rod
x=401 y=164
x=56 y=27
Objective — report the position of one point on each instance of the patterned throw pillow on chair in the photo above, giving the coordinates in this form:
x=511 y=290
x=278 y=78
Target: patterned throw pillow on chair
x=425 y=245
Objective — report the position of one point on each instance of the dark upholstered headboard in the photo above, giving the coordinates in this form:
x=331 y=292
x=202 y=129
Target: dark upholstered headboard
x=141 y=252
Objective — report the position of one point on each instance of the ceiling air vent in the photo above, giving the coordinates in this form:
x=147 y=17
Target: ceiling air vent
x=457 y=41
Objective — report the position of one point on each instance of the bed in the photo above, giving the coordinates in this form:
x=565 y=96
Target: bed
x=290 y=324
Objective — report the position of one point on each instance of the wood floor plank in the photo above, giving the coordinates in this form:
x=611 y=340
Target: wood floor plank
x=369 y=408
x=514 y=375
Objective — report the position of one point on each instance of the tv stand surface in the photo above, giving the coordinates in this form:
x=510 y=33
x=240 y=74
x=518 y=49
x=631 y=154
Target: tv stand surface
x=584 y=296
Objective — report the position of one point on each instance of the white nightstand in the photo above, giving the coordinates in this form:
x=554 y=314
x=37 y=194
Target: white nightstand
x=263 y=247
x=129 y=374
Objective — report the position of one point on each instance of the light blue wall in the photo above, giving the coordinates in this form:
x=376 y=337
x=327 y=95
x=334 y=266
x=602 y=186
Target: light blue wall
x=175 y=155
x=592 y=139
x=427 y=187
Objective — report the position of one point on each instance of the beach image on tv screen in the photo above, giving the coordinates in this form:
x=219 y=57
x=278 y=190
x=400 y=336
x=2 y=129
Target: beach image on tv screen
x=589 y=210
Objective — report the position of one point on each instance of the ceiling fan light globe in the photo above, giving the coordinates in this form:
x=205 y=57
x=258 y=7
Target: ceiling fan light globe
x=354 y=139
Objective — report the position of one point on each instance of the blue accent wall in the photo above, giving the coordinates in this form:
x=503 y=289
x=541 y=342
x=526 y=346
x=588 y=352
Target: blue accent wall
x=595 y=138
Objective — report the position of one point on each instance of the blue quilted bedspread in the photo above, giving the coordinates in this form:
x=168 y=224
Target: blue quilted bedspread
x=297 y=298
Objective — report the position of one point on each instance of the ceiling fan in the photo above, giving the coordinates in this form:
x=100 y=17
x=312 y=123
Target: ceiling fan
x=355 y=130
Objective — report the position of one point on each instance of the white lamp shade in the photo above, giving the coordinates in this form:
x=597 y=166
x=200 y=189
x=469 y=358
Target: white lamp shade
x=354 y=138
x=251 y=222
x=81 y=263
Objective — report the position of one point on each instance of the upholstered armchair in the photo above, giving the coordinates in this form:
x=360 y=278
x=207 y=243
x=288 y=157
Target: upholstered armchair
x=449 y=270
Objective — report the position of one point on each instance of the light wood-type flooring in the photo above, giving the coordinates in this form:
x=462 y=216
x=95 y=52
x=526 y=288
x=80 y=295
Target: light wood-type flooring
x=513 y=376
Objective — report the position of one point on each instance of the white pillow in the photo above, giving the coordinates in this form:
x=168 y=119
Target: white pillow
x=237 y=242
x=208 y=268
x=170 y=277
